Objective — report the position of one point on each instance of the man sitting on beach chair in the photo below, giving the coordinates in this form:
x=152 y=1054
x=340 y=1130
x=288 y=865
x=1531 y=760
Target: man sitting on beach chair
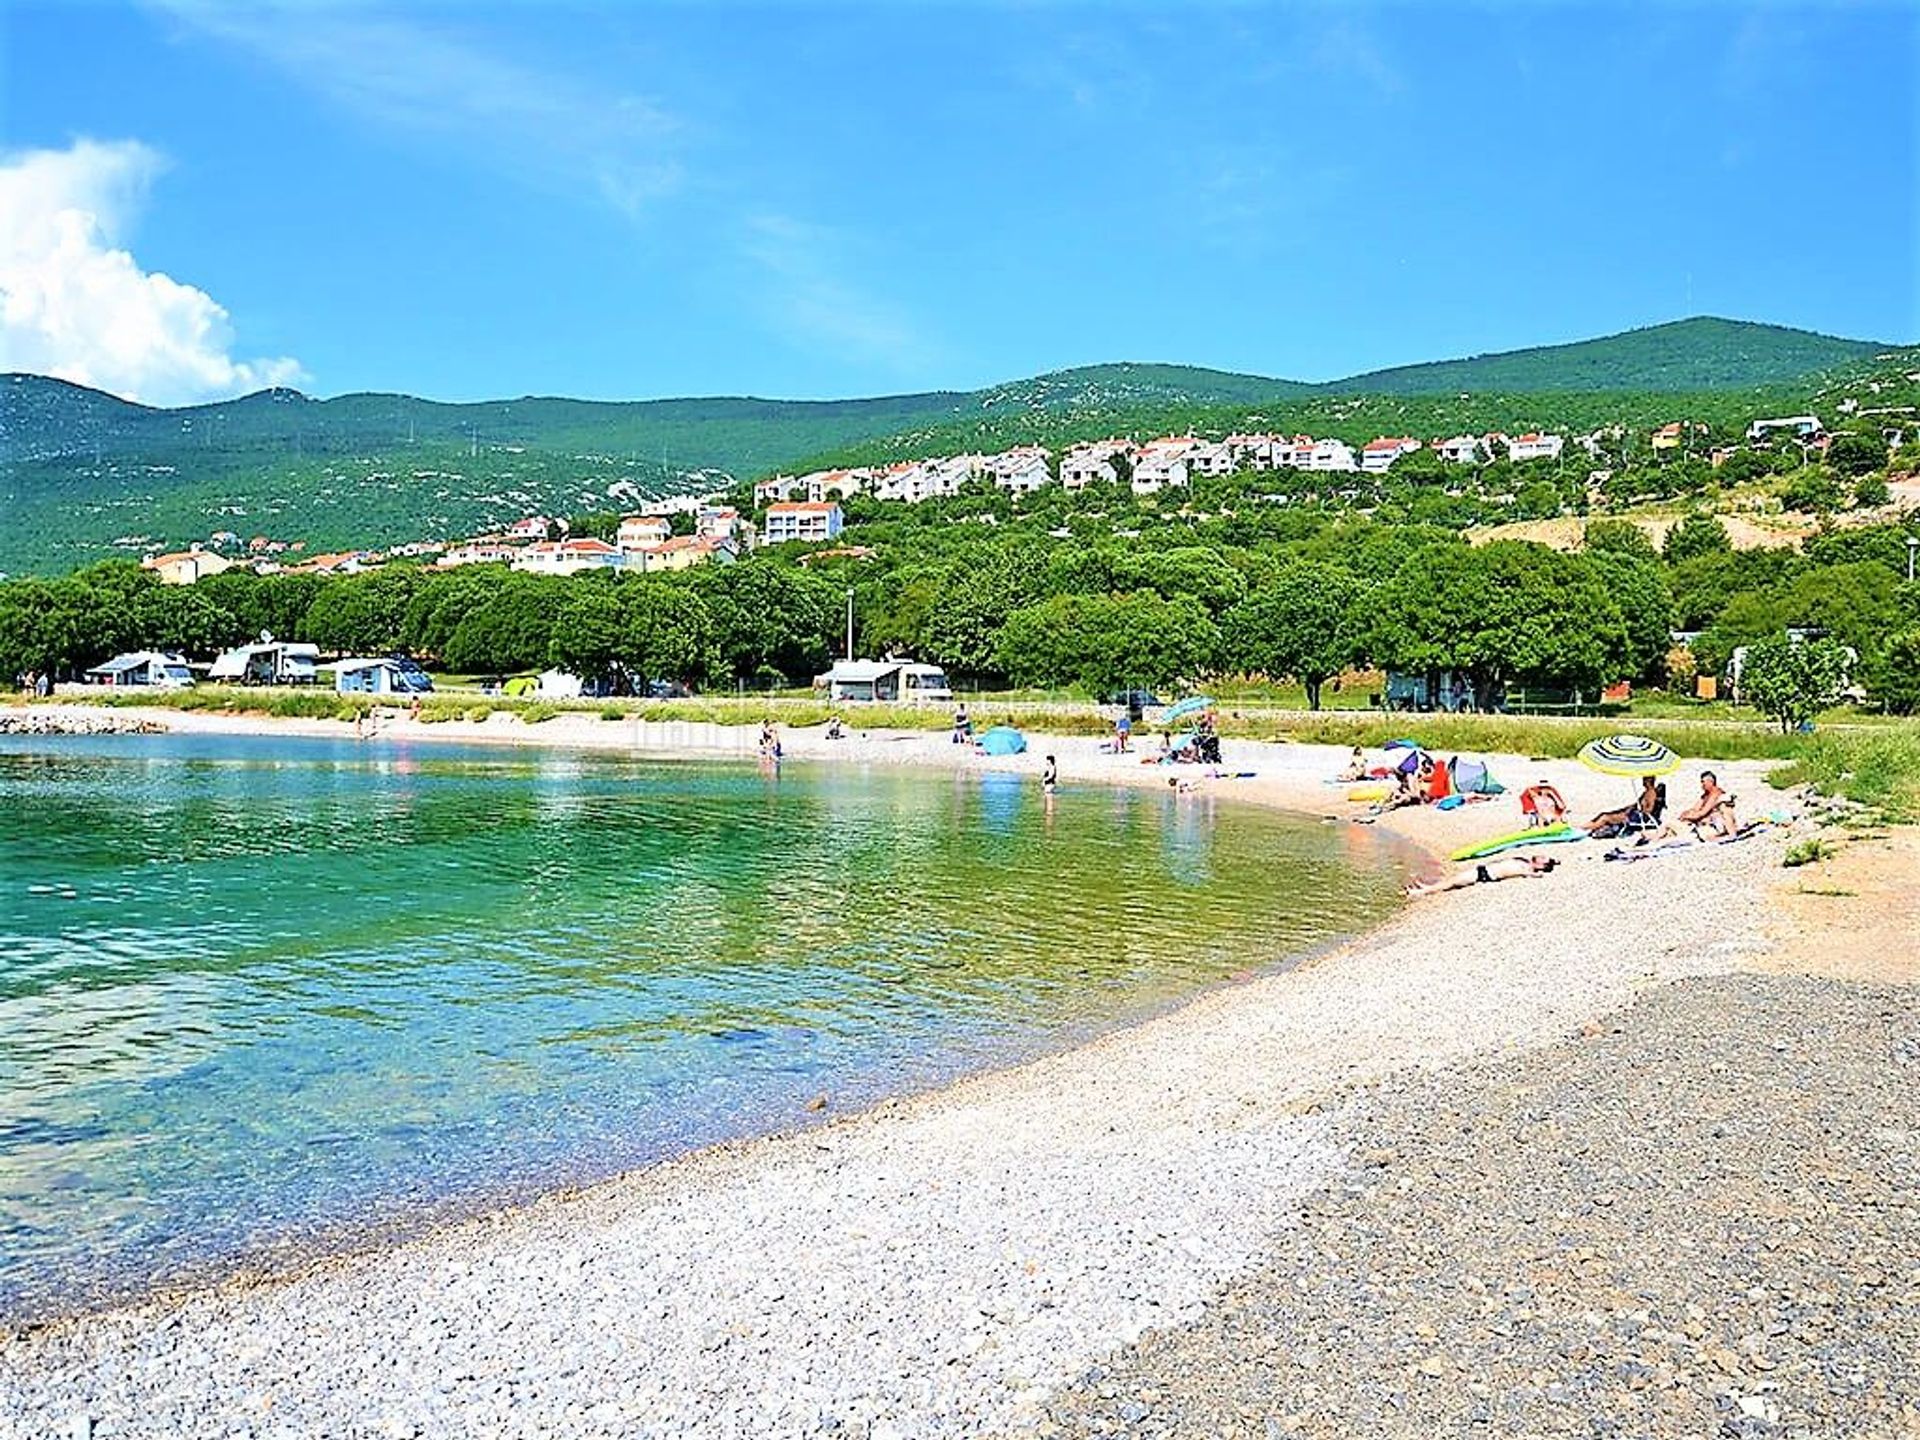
x=1636 y=819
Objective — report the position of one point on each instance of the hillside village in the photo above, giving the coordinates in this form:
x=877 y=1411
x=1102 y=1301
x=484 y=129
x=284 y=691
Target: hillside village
x=807 y=508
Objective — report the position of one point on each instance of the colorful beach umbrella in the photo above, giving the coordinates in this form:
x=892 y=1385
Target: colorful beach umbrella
x=1401 y=745
x=1003 y=740
x=1192 y=705
x=1628 y=755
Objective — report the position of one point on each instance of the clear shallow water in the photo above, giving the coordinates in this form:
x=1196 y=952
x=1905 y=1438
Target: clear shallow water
x=259 y=992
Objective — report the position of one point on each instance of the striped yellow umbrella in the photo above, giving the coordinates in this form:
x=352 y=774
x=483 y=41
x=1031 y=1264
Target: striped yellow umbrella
x=1628 y=755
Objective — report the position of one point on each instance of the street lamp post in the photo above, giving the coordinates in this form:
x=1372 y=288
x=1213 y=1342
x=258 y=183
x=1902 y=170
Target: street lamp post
x=850 y=615
x=1913 y=544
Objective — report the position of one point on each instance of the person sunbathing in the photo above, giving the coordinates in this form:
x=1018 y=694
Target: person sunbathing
x=1487 y=872
x=1643 y=814
x=1542 y=804
x=1713 y=811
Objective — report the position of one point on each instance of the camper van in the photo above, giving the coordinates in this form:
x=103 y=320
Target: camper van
x=899 y=682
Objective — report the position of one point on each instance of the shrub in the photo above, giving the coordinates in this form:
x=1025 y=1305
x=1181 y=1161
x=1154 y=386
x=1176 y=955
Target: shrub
x=1810 y=851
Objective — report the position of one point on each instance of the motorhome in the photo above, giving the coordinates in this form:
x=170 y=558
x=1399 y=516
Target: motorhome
x=894 y=681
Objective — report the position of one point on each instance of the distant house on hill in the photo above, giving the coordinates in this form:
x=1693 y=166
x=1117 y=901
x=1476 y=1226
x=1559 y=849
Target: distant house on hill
x=1021 y=470
x=1331 y=455
x=1163 y=463
x=186 y=566
x=637 y=532
x=802 y=520
x=1093 y=463
x=1378 y=455
x=1535 y=446
x=533 y=527
x=683 y=552
x=1801 y=427
x=1460 y=450
x=567 y=557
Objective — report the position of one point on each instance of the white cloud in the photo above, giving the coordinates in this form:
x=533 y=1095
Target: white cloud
x=807 y=299
x=75 y=305
x=421 y=76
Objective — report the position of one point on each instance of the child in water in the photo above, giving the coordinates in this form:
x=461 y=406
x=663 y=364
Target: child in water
x=1050 y=776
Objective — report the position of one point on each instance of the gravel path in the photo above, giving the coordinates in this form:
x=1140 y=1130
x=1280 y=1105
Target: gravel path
x=1699 y=1218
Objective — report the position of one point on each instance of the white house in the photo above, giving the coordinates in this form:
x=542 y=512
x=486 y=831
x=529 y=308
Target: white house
x=477 y=552
x=1378 y=455
x=1460 y=450
x=1802 y=427
x=1331 y=455
x=270 y=662
x=533 y=527
x=1021 y=470
x=719 y=522
x=567 y=557
x=186 y=566
x=802 y=520
x=1092 y=463
x=142 y=667
x=1163 y=463
x=637 y=532
x=1535 y=446
x=1254 y=452
x=1295 y=454
x=1211 y=458
x=776 y=488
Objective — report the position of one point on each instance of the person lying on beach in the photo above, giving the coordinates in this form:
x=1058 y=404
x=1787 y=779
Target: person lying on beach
x=1487 y=872
x=1356 y=766
x=1542 y=804
x=1643 y=814
x=1406 y=791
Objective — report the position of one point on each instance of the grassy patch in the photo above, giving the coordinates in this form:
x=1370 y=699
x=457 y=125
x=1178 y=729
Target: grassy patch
x=1810 y=851
x=1878 y=768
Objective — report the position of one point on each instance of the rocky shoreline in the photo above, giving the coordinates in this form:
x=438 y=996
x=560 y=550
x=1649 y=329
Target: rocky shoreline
x=76 y=720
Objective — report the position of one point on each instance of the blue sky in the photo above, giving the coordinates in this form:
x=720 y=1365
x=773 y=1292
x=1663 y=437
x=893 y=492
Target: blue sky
x=820 y=200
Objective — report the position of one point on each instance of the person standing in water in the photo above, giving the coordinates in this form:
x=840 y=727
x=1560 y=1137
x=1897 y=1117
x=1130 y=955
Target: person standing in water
x=1050 y=776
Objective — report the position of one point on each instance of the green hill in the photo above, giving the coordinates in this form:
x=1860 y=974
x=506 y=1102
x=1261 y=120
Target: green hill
x=83 y=474
x=1703 y=353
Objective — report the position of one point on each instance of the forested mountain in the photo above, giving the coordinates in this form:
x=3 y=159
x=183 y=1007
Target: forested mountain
x=83 y=474
x=1704 y=353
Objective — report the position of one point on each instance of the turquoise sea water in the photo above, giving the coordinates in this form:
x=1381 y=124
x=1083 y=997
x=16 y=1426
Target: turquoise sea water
x=258 y=994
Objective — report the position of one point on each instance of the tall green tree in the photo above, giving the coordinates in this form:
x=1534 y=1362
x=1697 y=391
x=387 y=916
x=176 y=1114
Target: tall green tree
x=1307 y=623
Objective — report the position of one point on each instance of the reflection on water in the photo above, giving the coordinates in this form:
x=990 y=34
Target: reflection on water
x=253 y=990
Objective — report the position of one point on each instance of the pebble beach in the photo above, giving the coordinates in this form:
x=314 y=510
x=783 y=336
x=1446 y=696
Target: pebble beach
x=1476 y=1168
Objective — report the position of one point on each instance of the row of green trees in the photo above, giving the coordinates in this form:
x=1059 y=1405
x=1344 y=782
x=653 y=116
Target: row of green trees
x=1268 y=590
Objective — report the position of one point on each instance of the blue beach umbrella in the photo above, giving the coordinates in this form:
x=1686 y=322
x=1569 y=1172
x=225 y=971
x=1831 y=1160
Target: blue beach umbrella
x=1192 y=705
x=1401 y=745
x=1003 y=740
